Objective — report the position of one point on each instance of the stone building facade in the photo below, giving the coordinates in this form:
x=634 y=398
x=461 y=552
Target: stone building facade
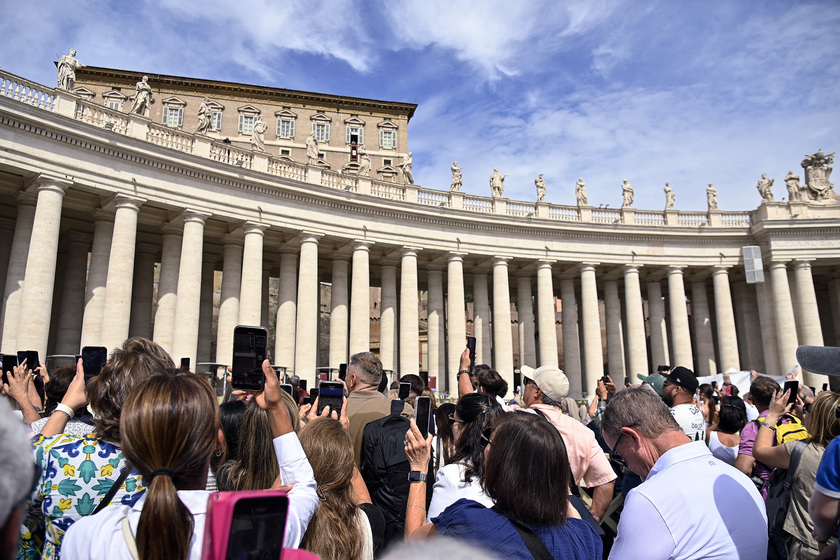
x=114 y=224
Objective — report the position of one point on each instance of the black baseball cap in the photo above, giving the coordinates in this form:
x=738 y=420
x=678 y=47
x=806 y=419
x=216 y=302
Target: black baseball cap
x=683 y=377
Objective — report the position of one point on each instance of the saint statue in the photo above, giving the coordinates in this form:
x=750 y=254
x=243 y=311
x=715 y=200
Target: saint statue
x=67 y=66
x=764 y=188
x=497 y=183
x=312 y=149
x=457 y=178
x=205 y=117
x=670 y=197
x=540 y=183
x=792 y=184
x=711 y=197
x=258 y=135
x=406 y=169
x=364 y=164
x=142 y=97
x=580 y=192
x=628 y=193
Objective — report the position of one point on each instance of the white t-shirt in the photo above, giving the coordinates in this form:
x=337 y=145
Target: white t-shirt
x=450 y=487
x=690 y=418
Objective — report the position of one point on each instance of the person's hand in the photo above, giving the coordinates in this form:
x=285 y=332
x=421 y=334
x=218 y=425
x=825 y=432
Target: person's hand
x=418 y=449
x=42 y=371
x=753 y=374
x=345 y=421
x=303 y=412
x=75 y=396
x=792 y=374
x=18 y=383
x=601 y=390
x=778 y=406
x=799 y=407
x=826 y=552
x=727 y=379
x=464 y=363
x=610 y=385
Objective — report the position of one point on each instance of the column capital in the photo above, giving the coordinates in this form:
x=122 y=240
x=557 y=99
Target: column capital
x=102 y=215
x=254 y=227
x=410 y=250
x=587 y=266
x=43 y=180
x=25 y=198
x=127 y=201
x=631 y=269
x=456 y=256
x=499 y=261
x=778 y=264
x=720 y=269
x=362 y=245
x=802 y=264
x=310 y=237
x=545 y=263
x=675 y=269
x=231 y=239
x=287 y=249
x=196 y=216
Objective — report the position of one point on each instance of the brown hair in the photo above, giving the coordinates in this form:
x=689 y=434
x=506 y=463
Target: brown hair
x=136 y=360
x=334 y=532
x=492 y=383
x=366 y=366
x=641 y=408
x=761 y=391
x=534 y=490
x=256 y=466
x=823 y=424
x=169 y=421
x=57 y=386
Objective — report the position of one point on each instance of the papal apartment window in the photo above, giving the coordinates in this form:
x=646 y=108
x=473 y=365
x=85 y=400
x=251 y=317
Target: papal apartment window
x=285 y=128
x=358 y=131
x=321 y=131
x=388 y=139
x=173 y=116
x=387 y=162
x=246 y=124
x=216 y=124
x=286 y=153
x=115 y=105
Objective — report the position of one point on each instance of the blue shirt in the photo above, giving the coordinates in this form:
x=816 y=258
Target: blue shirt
x=828 y=474
x=469 y=520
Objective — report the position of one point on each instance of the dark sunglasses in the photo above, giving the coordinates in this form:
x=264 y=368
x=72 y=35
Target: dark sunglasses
x=485 y=436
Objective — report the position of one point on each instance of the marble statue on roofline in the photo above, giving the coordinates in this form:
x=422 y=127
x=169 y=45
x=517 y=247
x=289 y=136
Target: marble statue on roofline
x=142 y=97
x=312 y=149
x=818 y=168
x=497 y=183
x=364 y=164
x=580 y=192
x=67 y=66
x=406 y=169
x=457 y=178
x=711 y=197
x=764 y=187
x=792 y=184
x=540 y=184
x=670 y=197
x=628 y=194
x=205 y=117
x=258 y=135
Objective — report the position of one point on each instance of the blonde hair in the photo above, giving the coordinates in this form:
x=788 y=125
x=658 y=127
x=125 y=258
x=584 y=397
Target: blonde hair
x=823 y=424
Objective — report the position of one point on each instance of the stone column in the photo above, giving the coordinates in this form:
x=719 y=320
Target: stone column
x=704 y=340
x=306 y=344
x=658 y=329
x=748 y=326
x=167 y=294
x=388 y=318
x=7 y=233
x=834 y=300
x=116 y=312
x=767 y=320
x=785 y=322
x=72 y=306
x=545 y=315
x=571 y=337
x=502 y=337
x=592 y=344
x=188 y=304
x=204 y=350
x=338 y=312
x=456 y=326
x=437 y=355
x=680 y=334
x=409 y=313
x=525 y=310
x=360 y=299
x=286 y=326
x=229 y=300
x=481 y=319
x=266 y=295
x=727 y=335
x=634 y=311
x=142 y=294
x=615 y=331
x=251 y=291
x=810 y=329
x=39 y=280
x=16 y=271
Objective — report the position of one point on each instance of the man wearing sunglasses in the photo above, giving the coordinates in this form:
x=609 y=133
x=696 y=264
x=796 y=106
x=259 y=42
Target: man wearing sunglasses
x=691 y=505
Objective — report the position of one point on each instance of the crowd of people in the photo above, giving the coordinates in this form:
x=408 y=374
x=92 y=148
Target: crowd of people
x=127 y=464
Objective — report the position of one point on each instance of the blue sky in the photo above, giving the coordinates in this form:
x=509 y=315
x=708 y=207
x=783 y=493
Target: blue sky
x=688 y=92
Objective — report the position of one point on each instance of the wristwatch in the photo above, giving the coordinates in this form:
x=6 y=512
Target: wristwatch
x=462 y=371
x=416 y=476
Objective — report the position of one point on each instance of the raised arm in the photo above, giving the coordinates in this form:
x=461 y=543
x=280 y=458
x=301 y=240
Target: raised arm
x=464 y=384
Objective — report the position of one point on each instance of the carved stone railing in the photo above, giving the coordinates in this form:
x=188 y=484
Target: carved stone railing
x=162 y=135
x=26 y=91
x=71 y=105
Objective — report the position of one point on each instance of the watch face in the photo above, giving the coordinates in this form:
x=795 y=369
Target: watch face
x=416 y=476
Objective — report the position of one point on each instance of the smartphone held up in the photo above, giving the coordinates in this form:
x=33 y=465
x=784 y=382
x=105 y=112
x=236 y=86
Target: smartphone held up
x=249 y=352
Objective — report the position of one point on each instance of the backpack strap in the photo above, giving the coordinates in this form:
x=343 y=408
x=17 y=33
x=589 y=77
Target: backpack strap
x=114 y=489
x=534 y=543
x=795 y=455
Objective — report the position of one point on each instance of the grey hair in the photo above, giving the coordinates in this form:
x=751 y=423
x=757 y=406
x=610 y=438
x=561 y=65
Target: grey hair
x=16 y=462
x=641 y=408
x=367 y=367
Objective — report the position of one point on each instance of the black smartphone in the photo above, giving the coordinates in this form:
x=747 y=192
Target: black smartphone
x=302 y=384
x=383 y=383
x=422 y=413
x=32 y=359
x=93 y=358
x=248 y=355
x=825 y=385
x=342 y=372
x=9 y=362
x=405 y=390
x=471 y=348
x=288 y=388
x=331 y=395
x=714 y=384
x=794 y=390
x=21 y=356
x=185 y=364
x=313 y=394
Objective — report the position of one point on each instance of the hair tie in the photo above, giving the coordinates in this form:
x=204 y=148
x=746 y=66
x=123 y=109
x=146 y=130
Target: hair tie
x=164 y=471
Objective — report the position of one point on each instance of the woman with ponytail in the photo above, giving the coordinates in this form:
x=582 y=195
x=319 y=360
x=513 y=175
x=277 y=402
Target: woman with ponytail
x=170 y=431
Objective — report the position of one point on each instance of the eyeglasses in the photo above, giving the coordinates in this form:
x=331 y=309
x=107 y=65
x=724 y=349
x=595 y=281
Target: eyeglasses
x=807 y=407
x=453 y=420
x=616 y=456
x=485 y=436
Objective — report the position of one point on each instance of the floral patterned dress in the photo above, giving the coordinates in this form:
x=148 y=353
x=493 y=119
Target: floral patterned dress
x=77 y=472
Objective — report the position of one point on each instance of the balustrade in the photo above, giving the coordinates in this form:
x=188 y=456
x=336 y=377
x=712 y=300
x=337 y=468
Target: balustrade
x=161 y=135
